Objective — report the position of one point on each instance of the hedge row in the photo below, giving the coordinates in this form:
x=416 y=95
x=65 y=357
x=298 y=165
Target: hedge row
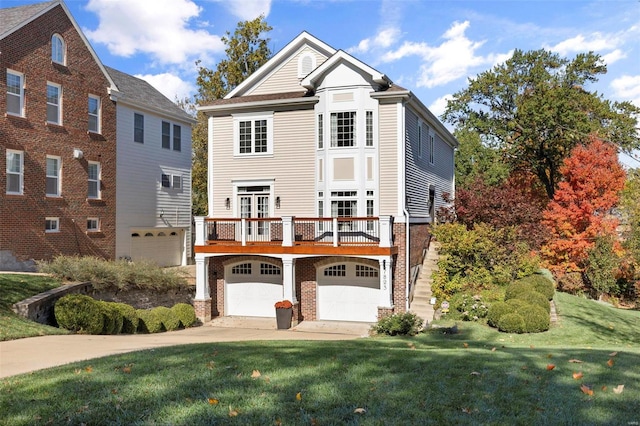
x=526 y=307
x=83 y=314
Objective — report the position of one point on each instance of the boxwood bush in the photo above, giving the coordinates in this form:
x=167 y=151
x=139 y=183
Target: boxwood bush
x=496 y=311
x=113 y=318
x=512 y=323
x=541 y=284
x=520 y=314
x=169 y=319
x=149 y=322
x=186 y=313
x=129 y=317
x=534 y=298
x=403 y=324
x=79 y=313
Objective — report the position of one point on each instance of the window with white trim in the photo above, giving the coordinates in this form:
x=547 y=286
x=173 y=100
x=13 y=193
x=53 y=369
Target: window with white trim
x=343 y=129
x=54 y=103
x=52 y=224
x=95 y=111
x=344 y=203
x=176 y=181
x=93 y=224
x=177 y=137
x=369 y=128
x=419 y=139
x=269 y=269
x=166 y=181
x=320 y=131
x=370 y=210
x=364 y=271
x=241 y=269
x=166 y=135
x=253 y=134
x=431 y=149
x=15 y=171
x=58 y=50
x=15 y=93
x=335 y=271
x=54 y=172
x=138 y=127
x=93 y=172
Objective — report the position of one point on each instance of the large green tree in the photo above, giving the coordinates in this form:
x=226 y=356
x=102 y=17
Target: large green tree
x=534 y=109
x=247 y=49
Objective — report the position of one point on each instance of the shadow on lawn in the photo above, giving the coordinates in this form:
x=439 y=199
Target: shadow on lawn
x=431 y=379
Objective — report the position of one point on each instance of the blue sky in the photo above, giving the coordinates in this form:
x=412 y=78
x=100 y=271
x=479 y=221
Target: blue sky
x=430 y=47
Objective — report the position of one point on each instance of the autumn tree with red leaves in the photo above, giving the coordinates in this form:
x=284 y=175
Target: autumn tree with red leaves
x=581 y=207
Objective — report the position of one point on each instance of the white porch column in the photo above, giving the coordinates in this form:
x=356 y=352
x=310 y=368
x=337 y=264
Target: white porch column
x=243 y=230
x=210 y=166
x=202 y=277
x=385 y=282
x=386 y=232
x=289 y=279
x=335 y=232
x=287 y=231
x=200 y=230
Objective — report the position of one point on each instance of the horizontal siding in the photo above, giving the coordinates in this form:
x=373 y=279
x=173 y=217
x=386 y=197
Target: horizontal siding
x=388 y=169
x=140 y=198
x=285 y=78
x=292 y=165
x=420 y=173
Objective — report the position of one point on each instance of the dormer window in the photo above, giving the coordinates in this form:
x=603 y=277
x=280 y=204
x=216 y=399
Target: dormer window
x=58 y=50
x=306 y=64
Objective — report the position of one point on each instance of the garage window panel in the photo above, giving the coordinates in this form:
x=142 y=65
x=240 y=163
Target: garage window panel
x=269 y=269
x=336 y=271
x=366 y=271
x=242 y=269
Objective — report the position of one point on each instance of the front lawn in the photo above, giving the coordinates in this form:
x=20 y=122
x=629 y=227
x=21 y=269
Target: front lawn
x=571 y=374
x=17 y=287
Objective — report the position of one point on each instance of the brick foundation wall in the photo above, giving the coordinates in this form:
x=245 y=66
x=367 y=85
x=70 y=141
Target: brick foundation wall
x=28 y=51
x=306 y=288
x=400 y=269
x=418 y=236
x=203 y=309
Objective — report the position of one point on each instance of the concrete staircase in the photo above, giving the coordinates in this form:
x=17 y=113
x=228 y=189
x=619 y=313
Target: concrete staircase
x=421 y=305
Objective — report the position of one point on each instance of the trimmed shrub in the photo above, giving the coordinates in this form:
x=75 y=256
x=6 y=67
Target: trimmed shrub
x=511 y=323
x=149 y=322
x=541 y=284
x=535 y=298
x=169 y=319
x=130 y=319
x=535 y=318
x=496 y=311
x=113 y=318
x=79 y=313
x=186 y=313
x=402 y=324
x=516 y=288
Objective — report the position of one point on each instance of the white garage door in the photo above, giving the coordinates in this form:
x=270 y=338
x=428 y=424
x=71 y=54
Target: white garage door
x=163 y=247
x=252 y=288
x=348 y=292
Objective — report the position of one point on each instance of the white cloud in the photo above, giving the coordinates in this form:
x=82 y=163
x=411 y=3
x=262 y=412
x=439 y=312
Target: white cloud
x=627 y=87
x=614 y=56
x=449 y=61
x=607 y=45
x=159 y=28
x=382 y=40
x=438 y=106
x=247 y=10
x=169 y=85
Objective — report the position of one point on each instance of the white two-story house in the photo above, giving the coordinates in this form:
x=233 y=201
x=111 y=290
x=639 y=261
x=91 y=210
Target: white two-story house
x=324 y=178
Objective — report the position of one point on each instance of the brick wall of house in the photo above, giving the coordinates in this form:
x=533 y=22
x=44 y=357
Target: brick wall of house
x=306 y=288
x=400 y=269
x=418 y=236
x=22 y=217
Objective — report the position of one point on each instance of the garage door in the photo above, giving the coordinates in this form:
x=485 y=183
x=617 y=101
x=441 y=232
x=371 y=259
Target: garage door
x=348 y=292
x=161 y=246
x=252 y=288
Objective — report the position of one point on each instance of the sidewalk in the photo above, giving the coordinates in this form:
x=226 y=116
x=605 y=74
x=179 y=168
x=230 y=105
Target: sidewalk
x=36 y=353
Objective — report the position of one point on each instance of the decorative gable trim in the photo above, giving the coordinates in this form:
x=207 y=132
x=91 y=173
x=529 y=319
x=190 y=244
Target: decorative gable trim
x=286 y=52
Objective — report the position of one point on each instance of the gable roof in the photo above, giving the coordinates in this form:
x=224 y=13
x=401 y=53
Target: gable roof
x=138 y=93
x=275 y=61
x=14 y=18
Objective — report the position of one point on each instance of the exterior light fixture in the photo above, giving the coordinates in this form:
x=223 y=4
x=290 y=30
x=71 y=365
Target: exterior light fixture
x=227 y=203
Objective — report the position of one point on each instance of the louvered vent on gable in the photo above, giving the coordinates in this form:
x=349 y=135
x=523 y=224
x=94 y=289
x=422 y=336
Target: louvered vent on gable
x=306 y=64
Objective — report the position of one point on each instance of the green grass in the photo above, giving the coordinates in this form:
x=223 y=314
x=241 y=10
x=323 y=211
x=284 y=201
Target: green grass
x=479 y=376
x=17 y=287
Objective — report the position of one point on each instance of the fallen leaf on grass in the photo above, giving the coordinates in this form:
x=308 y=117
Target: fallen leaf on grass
x=618 y=389
x=604 y=388
x=359 y=410
x=88 y=369
x=577 y=361
x=255 y=374
x=549 y=356
x=613 y=354
x=465 y=344
x=233 y=413
x=213 y=401
x=475 y=373
x=299 y=396
x=493 y=349
x=550 y=367
x=411 y=345
x=610 y=362
x=126 y=370
x=586 y=389
x=577 y=375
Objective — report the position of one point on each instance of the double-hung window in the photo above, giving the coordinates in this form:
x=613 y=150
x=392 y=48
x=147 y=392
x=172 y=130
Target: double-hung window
x=93 y=224
x=177 y=137
x=52 y=224
x=94 y=114
x=369 y=128
x=53 y=176
x=58 y=50
x=15 y=93
x=431 y=149
x=343 y=129
x=54 y=103
x=253 y=134
x=15 y=172
x=166 y=135
x=419 y=140
x=94 y=180
x=138 y=127
x=320 y=131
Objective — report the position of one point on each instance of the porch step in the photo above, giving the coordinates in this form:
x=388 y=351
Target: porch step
x=421 y=304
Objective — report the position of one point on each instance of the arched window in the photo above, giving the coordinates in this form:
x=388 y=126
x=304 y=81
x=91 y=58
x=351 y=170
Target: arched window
x=58 y=50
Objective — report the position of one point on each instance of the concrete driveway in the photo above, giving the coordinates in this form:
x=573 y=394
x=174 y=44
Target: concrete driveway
x=35 y=353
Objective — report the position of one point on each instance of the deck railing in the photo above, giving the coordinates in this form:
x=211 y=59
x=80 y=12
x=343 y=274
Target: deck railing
x=289 y=231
